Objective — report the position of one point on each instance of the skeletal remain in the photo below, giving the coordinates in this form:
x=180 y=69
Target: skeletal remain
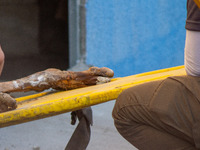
x=7 y=102
x=53 y=78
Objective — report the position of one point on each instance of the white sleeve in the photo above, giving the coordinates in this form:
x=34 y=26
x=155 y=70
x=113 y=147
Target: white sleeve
x=192 y=53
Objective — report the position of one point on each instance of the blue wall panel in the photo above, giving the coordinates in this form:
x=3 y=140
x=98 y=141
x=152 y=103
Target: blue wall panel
x=134 y=36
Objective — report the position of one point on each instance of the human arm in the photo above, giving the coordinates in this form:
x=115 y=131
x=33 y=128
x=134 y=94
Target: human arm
x=2 y=57
x=192 y=43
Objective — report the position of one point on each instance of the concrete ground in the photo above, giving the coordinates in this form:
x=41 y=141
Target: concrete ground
x=53 y=133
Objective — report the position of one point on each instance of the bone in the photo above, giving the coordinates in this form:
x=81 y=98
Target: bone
x=7 y=102
x=57 y=79
x=52 y=79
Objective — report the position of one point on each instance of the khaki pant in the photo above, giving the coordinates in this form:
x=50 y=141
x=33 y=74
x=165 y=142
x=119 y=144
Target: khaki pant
x=161 y=115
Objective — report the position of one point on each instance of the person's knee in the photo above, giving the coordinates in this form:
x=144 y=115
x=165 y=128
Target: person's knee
x=115 y=110
x=118 y=105
x=119 y=114
x=124 y=104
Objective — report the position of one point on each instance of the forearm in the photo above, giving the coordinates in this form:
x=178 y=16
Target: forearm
x=192 y=53
x=2 y=57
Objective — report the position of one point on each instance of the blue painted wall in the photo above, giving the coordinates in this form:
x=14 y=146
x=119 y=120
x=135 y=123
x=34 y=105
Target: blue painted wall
x=135 y=36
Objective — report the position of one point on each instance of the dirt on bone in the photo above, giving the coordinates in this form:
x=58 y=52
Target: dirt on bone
x=105 y=72
x=57 y=79
x=52 y=78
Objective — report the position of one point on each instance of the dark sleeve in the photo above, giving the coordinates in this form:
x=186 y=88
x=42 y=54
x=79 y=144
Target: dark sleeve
x=193 y=16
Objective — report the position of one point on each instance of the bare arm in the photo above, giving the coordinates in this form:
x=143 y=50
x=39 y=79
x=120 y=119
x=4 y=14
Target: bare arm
x=2 y=57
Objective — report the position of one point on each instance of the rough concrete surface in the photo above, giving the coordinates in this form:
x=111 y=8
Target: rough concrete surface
x=53 y=133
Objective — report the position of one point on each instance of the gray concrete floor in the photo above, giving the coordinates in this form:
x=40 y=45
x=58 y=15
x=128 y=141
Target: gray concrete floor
x=53 y=133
